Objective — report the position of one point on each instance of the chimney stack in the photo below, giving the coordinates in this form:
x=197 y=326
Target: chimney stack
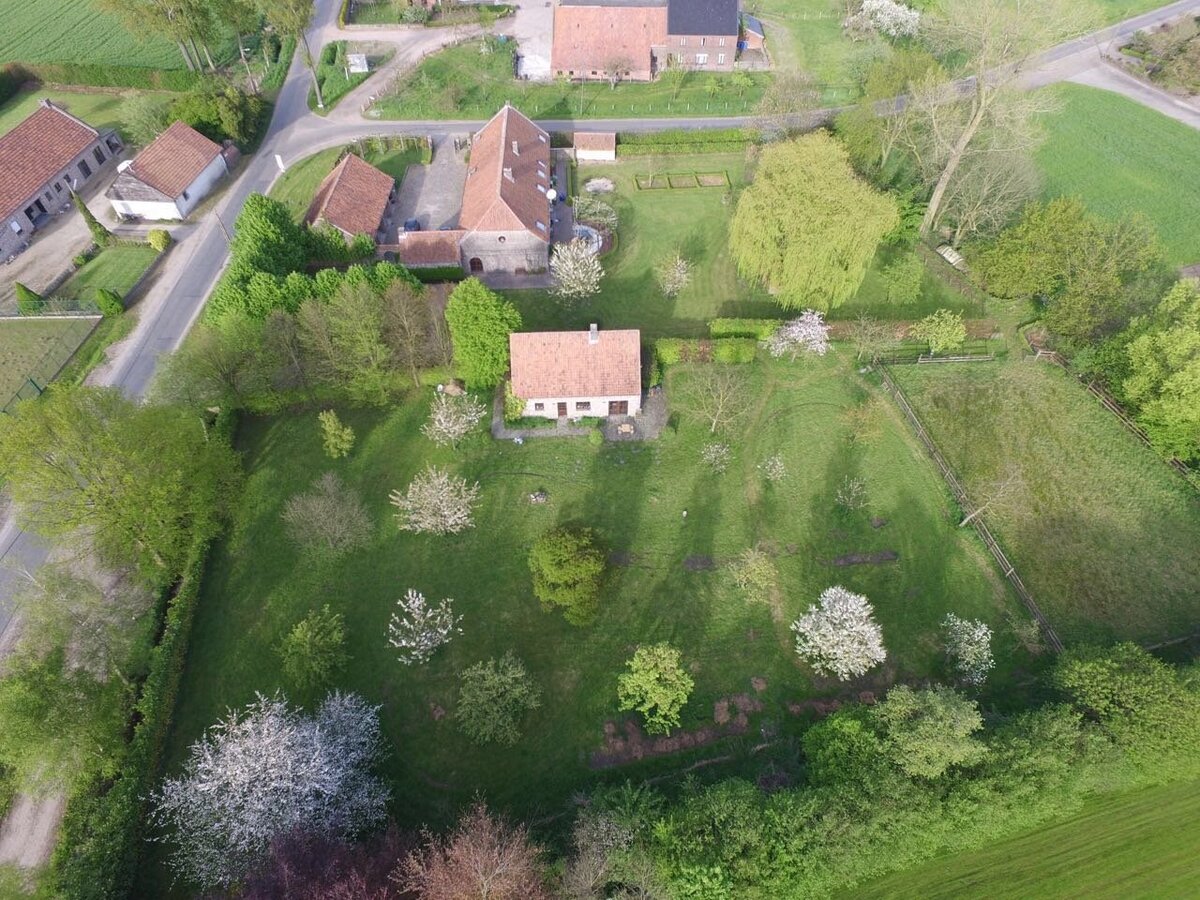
x=593 y=334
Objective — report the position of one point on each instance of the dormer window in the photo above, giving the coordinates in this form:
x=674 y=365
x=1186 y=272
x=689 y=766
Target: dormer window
x=542 y=137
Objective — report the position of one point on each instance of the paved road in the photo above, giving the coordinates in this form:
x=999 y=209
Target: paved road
x=175 y=302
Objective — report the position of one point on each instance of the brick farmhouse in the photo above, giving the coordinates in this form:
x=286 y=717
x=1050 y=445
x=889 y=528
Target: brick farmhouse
x=42 y=159
x=573 y=374
x=634 y=40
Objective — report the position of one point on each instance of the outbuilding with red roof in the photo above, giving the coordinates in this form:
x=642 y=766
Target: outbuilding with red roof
x=576 y=374
x=169 y=177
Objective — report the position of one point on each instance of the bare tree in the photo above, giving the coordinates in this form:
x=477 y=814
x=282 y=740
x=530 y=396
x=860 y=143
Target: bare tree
x=484 y=858
x=615 y=68
x=790 y=93
x=716 y=395
x=436 y=502
x=990 y=190
x=592 y=210
x=1011 y=481
x=328 y=519
x=576 y=270
x=409 y=328
x=452 y=418
x=871 y=337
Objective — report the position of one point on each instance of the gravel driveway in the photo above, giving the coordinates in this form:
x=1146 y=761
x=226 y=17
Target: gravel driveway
x=432 y=194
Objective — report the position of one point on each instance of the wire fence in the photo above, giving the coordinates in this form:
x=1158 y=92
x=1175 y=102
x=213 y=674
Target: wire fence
x=969 y=509
x=62 y=347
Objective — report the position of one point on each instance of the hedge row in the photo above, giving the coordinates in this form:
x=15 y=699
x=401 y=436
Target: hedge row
x=12 y=76
x=102 y=835
x=344 y=13
x=670 y=351
x=684 y=136
x=682 y=149
x=759 y=329
x=113 y=76
x=436 y=274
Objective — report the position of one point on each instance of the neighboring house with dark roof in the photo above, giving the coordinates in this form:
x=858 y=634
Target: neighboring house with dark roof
x=41 y=160
x=353 y=198
x=169 y=177
x=505 y=215
x=636 y=39
x=571 y=374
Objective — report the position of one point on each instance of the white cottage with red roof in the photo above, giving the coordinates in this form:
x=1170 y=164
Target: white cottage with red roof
x=573 y=374
x=169 y=177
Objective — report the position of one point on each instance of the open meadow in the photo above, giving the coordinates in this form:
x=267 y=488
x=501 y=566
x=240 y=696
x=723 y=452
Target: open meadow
x=36 y=347
x=42 y=31
x=1103 y=533
x=1128 y=845
x=1120 y=157
x=666 y=581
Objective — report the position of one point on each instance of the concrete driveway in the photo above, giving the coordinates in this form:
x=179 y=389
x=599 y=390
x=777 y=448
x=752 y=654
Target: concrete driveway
x=432 y=194
x=532 y=27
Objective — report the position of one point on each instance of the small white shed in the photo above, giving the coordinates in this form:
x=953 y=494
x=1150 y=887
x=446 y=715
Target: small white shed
x=595 y=146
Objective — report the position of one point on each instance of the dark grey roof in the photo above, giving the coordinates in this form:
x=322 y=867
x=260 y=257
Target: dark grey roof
x=715 y=17
x=127 y=186
x=752 y=25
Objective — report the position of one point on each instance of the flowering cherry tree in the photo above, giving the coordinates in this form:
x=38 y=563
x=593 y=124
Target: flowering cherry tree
x=452 y=418
x=886 y=17
x=969 y=646
x=576 y=270
x=264 y=772
x=418 y=629
x=807 y=333
x=840 y=636
x=436 y=502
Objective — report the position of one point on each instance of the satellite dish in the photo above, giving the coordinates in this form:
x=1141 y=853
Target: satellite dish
x=552 y=195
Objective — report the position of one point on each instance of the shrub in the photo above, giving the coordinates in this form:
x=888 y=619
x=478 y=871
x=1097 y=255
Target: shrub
x=671 y=351
x=80 y=260
x=314 y=649
x=12 y=76
x=493 y=697
x=567 y=566
x=754 y=575
x=109 y=302
x=514 y=406
x=338 y=439
x=656 y=686
x=159 y=239
x=759 y=329
x=596 y=437
x=903 y=279
x=942 y=330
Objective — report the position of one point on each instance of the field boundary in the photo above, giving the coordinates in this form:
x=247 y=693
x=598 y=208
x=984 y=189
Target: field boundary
x=52 y=362
x=964 y=501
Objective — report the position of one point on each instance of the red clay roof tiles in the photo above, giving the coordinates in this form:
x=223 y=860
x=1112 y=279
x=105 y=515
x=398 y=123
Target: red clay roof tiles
x=36 y=151
x=353 y=197
x=552 y=364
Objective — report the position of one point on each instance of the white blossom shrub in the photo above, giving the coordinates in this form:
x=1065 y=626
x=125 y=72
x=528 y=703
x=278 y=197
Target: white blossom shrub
x=885 y=17
x=576 y=270
x=807 y=333
x=436 y=502
x=673 y=274
x=265 y=771
x=593 y=211
x=773 y=468
x=716 y=456
x=418 y=629
x=839 y=636
x=452 y=418
x=969 y=647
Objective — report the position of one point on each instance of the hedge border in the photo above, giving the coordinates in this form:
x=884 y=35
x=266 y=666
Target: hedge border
x=759 y=329
x=92 y=75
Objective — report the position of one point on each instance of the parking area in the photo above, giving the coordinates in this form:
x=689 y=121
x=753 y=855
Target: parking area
x=431 y=194
x=532 y=27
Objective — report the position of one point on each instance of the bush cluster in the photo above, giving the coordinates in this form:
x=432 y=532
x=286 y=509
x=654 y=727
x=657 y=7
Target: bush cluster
x=730 y=350
x=759 y=329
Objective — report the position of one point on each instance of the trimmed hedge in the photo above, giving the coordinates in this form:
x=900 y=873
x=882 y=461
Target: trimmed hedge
x=115 y=76
x=343 y=13
x=436 y=274
x=102 y=834
x=729 y=351
x=759 y=329
x=680 y=141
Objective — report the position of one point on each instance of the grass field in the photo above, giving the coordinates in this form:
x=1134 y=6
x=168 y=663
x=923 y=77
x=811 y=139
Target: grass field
x=653 y=223
x=257 y=586
x=116 y=269
x=1120 y=158
x=1103 y=533
x=296 y=187
x=36 y=348
x=75 y=31
x=808 y=35
x=461 y=82
x=1129 y=845
x=99 y=109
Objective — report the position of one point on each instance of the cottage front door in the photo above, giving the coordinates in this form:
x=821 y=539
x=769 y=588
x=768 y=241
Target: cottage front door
x=562 y=410
x=618 y=407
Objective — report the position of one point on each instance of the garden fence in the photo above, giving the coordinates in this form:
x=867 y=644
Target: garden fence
x=968 y=508
x=57 y=355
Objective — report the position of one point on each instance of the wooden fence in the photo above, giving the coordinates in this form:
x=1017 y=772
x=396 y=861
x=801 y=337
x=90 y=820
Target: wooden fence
x=968 y=508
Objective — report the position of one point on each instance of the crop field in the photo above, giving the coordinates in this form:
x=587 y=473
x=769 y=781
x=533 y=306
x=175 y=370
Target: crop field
x=75 y=31
x=666 y=579
x=1120 y=157
x=1128 y=845
x=1103 y=533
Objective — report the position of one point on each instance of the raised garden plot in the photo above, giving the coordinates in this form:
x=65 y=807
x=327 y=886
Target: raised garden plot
x=682 y=180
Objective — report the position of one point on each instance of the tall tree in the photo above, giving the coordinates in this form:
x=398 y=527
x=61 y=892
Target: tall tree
x=480 y=322
x=929 y=731
x=292 y=17
x=409 y=328
x=218 y=364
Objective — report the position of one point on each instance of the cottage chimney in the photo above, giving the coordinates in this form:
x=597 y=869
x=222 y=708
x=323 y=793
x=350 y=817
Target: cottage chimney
x=593 y=334
x=508 y=173
x=516 y=149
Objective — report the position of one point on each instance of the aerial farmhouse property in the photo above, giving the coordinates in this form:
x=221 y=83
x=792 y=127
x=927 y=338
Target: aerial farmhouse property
x=634 y=40
x=169 y=177
x=353 y=198
x=574 y=374
x=42 y=159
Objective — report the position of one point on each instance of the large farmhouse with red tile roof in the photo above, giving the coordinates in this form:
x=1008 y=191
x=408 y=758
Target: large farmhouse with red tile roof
x=170 y=177
x=41 y=160
x=636 y=39
x=577 y=373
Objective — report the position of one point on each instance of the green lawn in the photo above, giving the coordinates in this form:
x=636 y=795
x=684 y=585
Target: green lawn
x=807 y=35
x=1103 y=533
x=1129 y=845
x=1120 y=158
x=116 y=268
x=694 y=221
x=258 y=585
x=296 y=187
x=462 y=82
x=99 y=109
x=336 y=80
x=36 y=348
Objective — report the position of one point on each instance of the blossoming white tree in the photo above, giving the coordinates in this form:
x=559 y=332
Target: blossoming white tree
x=436 y=502
x=969 y=646
x=265 y=771
x=807 y=333
x=418 y=629
x=576 y=270
x=452 y=418
x=886 y=17
x=840 y=636
x=673 y=274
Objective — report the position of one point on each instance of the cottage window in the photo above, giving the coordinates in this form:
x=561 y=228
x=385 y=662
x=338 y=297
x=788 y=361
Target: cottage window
x=57 y=188
x=720 y=59
x=539 y=407
x=501 y=239
x=583 y=406
x=702 y=59
x=703 y=41
x=185 y=196
x=721 y=42
x=541 y=188
x=541 y=226
x=84 y=169
x=683 y=42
